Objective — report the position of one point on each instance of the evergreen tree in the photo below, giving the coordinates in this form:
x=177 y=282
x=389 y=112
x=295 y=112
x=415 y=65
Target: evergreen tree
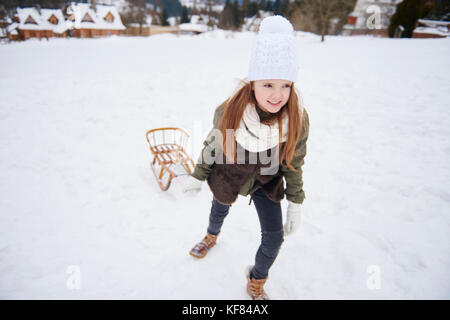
x=164 y=17
x=277 y=6
x=269 y=6
x=407 y=14
x=252 y=9
x=185 y=16
x=286 y=8
x=173 y=7
x=439 y=11
x=262 y=5
x=236 y=14
x=245 y=8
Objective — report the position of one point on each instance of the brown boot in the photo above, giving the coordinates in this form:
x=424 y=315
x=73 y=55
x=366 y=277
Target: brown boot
x=255 y=287
x=201 y=249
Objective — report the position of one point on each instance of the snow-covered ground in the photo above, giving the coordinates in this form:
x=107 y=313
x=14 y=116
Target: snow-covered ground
x=76 y=187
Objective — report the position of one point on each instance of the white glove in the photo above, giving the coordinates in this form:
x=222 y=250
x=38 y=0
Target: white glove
x=192 y=186
x=292 y=217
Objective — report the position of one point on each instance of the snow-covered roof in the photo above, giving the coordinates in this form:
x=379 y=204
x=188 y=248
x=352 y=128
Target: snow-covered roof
x=84 y=17
x=433 y=27
x=438 y=31
x=30 y=19
x=27 y=17
x=433 y=23
x=6 y=19
x=136 y=25
x=12 y=27
x=199 y=19
x=61 y=25
x=193 y=27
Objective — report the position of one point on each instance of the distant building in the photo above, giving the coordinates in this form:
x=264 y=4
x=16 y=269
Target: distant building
x=197 y=25
x=192 y=28
x=86 y=20
x=80 y=20
x=5 y=21
x=431 y=29
x=34 y=22
x=363 y=20
x=134 y=29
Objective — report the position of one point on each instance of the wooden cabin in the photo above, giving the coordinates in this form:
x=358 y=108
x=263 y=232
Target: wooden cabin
x=34 y=22
x=88 y=21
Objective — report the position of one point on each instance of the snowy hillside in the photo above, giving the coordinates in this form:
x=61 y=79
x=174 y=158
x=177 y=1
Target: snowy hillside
x=77 y=192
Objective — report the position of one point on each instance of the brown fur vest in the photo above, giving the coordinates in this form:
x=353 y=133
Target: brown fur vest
x=226 y=180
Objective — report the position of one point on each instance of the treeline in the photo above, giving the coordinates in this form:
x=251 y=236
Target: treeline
x=9 y=5
x=317 y=16
x=233 y=14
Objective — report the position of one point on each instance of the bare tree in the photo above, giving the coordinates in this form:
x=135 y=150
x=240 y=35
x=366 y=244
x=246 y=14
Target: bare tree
x=136 y=12
x=210 y=13
x=315 y=15
x=226 y=17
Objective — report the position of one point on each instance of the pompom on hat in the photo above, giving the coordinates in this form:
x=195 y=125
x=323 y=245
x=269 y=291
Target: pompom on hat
x=274 y=53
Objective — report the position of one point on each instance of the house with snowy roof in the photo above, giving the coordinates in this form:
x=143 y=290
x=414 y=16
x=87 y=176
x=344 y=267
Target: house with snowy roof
x=34 y=22
x=431 y=29
x=5 y=21
x=87 y=20
x=56 y=19
x=198 y=24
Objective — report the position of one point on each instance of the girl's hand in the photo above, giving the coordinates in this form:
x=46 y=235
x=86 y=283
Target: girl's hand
x=292 y=218
x=192 y=186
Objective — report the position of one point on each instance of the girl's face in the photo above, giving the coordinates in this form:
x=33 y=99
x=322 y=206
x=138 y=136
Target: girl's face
x=272 y=94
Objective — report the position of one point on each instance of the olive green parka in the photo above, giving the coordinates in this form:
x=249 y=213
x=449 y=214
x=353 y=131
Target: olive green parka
x=294 y=181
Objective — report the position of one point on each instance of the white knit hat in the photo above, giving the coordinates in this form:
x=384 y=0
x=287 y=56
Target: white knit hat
x=274 y=53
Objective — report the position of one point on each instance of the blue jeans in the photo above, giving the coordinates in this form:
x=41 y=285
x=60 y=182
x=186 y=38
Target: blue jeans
x=270 y=219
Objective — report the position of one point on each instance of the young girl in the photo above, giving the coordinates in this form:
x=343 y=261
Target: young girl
x=259 y=138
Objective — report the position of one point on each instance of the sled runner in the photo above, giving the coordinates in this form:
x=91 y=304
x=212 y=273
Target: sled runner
x=169 y=156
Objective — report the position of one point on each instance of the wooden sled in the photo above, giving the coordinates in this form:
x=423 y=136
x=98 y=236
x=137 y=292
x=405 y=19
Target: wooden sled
x=170 y=159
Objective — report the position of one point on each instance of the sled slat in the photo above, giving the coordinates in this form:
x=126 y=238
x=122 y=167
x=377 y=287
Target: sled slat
x=168 y=148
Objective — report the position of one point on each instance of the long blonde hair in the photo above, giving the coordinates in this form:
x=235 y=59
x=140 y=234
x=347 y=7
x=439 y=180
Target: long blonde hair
x=234 y=111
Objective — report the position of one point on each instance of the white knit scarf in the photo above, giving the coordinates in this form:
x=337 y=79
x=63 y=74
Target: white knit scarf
x=255 y=136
